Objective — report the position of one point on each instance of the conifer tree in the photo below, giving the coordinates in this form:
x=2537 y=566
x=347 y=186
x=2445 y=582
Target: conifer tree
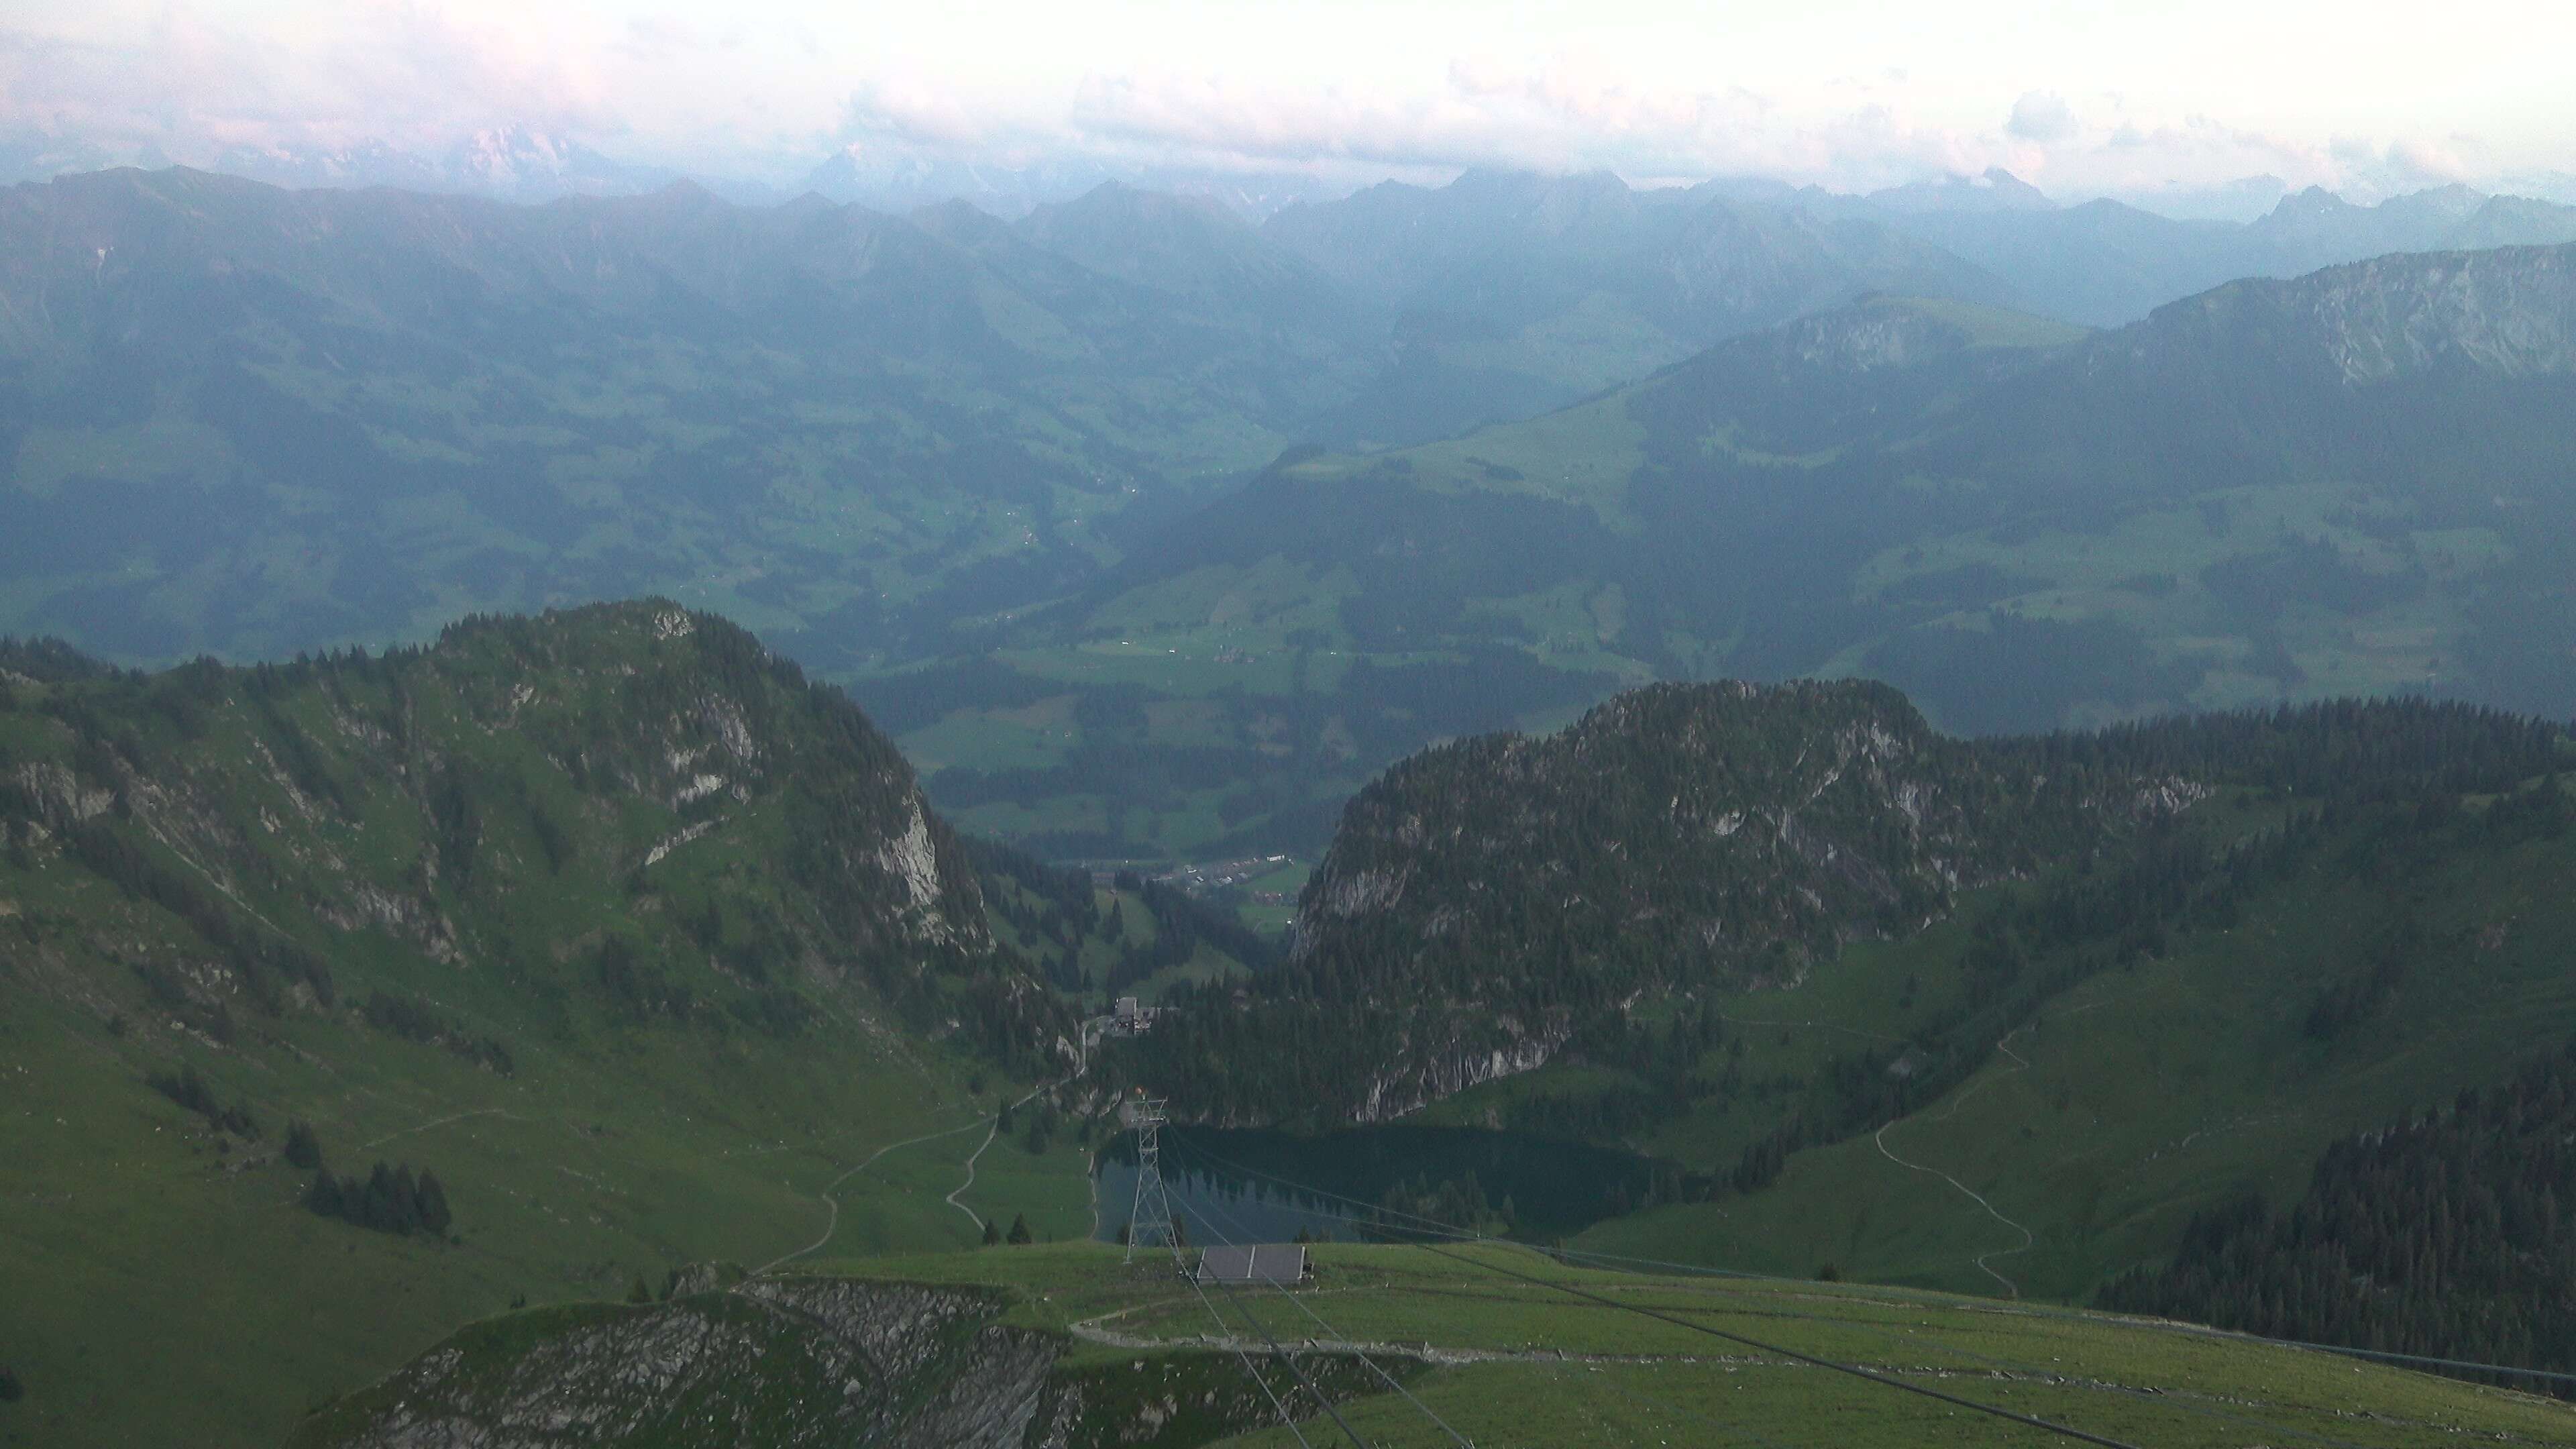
x=432 y=1198
x=1020 y=1229
x=406 y=1200
x=323 y=1197
x=303 y=1147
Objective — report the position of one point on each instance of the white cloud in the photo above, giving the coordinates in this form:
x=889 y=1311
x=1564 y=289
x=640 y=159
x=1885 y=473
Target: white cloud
x=2041 y=116
x=1842 y=92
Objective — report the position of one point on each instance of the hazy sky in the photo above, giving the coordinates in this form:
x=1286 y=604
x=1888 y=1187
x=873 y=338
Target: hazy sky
x=2079 y=97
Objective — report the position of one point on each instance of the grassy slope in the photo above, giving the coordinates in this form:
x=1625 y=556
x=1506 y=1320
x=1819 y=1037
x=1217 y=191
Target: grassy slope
x=2146 y=1093
x=133 y=1234
x=128 y=1242
x=1587 y=1363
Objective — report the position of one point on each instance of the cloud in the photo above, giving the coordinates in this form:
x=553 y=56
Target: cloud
x=2042 y=116
x=411 y=74
x=1566 y=115
x=766 y=89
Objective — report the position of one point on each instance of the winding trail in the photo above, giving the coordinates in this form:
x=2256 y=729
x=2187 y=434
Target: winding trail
x=2028 y=1240
x=832 y=1223
x=441 y=1122
x=992 y=1128
x=951 y=1199
x=2020 y=1064
x=1095 y=1330
x=1033 y=1094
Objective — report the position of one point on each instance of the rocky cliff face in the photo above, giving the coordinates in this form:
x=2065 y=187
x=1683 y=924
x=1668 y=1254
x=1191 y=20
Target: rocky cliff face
x=1421 y=1077
x=2508 y=312
x=424 y=794
x=773 y=1363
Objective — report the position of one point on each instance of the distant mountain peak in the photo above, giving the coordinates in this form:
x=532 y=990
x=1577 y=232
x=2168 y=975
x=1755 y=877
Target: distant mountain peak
x=2453 y=201
x=2311 y=201
x=1994 y=189
x=1115 y=197
x=684 y=191
x=525 y=162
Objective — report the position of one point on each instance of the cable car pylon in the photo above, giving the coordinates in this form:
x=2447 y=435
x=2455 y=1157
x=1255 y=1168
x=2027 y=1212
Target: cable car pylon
x=1151 y=1210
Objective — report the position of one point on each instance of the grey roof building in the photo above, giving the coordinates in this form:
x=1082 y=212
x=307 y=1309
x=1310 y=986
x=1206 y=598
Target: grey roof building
x=1280 y=1263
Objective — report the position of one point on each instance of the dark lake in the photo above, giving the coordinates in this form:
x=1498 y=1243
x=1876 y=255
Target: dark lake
x=1242 y=1186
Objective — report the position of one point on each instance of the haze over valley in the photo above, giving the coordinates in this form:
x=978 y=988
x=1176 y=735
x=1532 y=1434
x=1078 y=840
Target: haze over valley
x=715 y=729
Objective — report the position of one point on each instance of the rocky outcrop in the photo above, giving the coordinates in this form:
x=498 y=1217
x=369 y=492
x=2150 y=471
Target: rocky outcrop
x=2511 y=312
x=1415 y=1083
x=2508 y=312
x=774 y=1362
x=803 y=1361
x=1722 y=818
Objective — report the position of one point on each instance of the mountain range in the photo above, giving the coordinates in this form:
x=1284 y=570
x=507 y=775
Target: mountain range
x=569 y=738
x=2349 y=482
x=1046 y=491
x=574 y=954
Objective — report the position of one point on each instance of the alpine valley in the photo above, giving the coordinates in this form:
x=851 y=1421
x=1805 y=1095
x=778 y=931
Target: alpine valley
x=611 y=809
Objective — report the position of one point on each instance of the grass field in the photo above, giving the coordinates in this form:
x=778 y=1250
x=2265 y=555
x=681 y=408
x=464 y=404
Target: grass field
x=126 y=1240
x=1516 y=1362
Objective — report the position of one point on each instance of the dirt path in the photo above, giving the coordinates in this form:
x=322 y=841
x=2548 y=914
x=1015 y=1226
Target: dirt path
x=832 y=1223
x=2020 y=1064
x=443 y=1121
x=989 y=1134
x=2028 y=1241
x=996 y=1131
x=1095 y=1330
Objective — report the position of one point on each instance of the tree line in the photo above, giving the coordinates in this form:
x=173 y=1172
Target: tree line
x=2449 y=1234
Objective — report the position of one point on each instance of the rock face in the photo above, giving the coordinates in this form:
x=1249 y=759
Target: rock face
x=2508 y=312
x=1411 y=1085
x=771 y=1363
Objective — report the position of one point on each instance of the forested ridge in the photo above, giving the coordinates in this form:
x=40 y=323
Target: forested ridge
x=1505 y=901
x=446 y=795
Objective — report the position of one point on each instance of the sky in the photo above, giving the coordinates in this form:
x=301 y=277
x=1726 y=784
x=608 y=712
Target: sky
x=2081 y=97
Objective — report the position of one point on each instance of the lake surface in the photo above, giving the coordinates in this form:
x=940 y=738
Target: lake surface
x=1264 y=1186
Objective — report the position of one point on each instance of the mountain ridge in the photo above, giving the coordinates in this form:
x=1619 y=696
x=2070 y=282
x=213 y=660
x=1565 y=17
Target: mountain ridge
x=609 y=924
x=2345 y=483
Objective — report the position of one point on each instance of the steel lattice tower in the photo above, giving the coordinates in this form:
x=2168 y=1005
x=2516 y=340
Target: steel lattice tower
x=1151 y=1212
